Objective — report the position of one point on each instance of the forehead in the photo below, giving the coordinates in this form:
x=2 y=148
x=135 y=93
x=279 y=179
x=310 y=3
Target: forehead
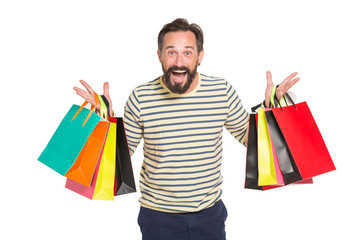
x=179 y=39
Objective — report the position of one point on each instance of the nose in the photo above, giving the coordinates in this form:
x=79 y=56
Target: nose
x=179 y=61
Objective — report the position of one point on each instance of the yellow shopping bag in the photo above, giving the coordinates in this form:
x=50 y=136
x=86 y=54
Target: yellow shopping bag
x=104 y=189
x=266 y=168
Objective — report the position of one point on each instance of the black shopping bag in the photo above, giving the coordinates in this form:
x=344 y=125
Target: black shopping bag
x=251 y=176
x=124 y=180
x=287 y=164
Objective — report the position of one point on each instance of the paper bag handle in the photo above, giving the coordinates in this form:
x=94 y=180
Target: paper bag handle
x=91 y=109
x=288 y=96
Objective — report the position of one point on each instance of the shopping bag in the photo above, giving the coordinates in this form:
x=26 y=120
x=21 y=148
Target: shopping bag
x=288 y=167
x=82 y=189
x=304 y=139
x=266 y=168
x=69 y=138
x=104 y=189
x=279 y=176
x=251 y=175
x=102 y=184
x=84 y=167
x=124 y=179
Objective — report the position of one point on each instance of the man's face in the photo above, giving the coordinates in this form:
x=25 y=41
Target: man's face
x=179 y=60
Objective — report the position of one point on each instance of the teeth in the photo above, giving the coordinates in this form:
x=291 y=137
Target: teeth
x=179 y=71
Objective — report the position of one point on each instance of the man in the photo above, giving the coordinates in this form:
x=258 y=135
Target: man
x=180 y=116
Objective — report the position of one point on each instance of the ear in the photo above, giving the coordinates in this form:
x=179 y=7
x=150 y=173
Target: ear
x=201 y=55
x=159 y=54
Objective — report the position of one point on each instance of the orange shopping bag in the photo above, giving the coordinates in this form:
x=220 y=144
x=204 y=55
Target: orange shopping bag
x=84 y=167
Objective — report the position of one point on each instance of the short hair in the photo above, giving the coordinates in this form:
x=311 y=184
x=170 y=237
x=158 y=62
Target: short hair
x=182 y=24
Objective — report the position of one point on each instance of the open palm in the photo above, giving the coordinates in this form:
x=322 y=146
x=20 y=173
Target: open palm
x=282 y=88
x=89 y=95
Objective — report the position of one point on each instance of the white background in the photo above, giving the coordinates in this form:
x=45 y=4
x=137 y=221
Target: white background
x=46 y=47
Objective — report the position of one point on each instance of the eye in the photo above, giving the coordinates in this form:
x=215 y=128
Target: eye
x=171 y=53
x=187 y=53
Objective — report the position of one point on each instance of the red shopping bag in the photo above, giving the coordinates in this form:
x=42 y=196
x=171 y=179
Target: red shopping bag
x=304 y=140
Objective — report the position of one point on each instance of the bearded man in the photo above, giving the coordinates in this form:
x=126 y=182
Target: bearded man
x=181 y=115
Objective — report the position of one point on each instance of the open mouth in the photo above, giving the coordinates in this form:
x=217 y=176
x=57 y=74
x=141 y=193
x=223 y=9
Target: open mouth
x=179 y=76
x=178 y=79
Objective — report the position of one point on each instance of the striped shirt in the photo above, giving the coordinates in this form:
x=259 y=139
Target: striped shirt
x=183 y=141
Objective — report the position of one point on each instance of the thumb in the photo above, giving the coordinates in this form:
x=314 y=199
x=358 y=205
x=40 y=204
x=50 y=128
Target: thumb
x=107 y=96
x=269 y=79
x=269 y=87
x=106 y=89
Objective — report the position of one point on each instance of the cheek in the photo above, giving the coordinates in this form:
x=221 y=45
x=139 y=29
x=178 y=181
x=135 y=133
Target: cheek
x=194 y=63
x=166 y=62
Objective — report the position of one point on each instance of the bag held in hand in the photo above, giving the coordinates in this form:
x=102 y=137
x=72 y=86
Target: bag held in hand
x=304 y=139
x=69 y=138
x=124 y=180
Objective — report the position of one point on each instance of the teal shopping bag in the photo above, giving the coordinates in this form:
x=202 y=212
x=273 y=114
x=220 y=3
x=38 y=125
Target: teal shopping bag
x=69 y=138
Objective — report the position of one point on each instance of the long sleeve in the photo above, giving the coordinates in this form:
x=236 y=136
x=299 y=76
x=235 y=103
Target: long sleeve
x=133 y=123
x=237 y=120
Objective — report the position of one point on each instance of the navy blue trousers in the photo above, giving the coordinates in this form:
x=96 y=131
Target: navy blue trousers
x=207 y=224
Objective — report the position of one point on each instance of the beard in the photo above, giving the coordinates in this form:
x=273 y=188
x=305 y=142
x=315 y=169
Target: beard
x=176 y=87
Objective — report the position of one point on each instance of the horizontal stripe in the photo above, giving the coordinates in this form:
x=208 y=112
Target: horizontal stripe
x=184 y=172
x=179 y=149
x=182 y=179
x=215 y=183
x=180 y=204
x=178 y=185
x=182 y=104
x=185 y=116
x=211 y=90
x=158 y=192
x=153 y=94
x=184 y=110
x=184 y=123
x=182 y=166
x=181 y=154
x=183 y=129
x=181 y=98
x=192 y=136
x=192 y=160
x=181 y=142
x=211 y=85
x=182 y=136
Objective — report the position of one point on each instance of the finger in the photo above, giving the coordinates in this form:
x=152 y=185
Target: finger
x=292 y=83
x=291 y=76
x=85 y=95
x=285 y=83
x=87 y=86
x=269 y=78
x=106 y=89
x=81 y=92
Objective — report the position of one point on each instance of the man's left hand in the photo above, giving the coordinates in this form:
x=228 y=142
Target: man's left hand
x=283 y=87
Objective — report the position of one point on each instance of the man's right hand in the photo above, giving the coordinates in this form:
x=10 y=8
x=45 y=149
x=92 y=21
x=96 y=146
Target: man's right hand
x=89 y=95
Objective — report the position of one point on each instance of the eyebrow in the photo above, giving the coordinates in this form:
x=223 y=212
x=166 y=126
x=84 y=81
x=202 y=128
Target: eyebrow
x=190 y=47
